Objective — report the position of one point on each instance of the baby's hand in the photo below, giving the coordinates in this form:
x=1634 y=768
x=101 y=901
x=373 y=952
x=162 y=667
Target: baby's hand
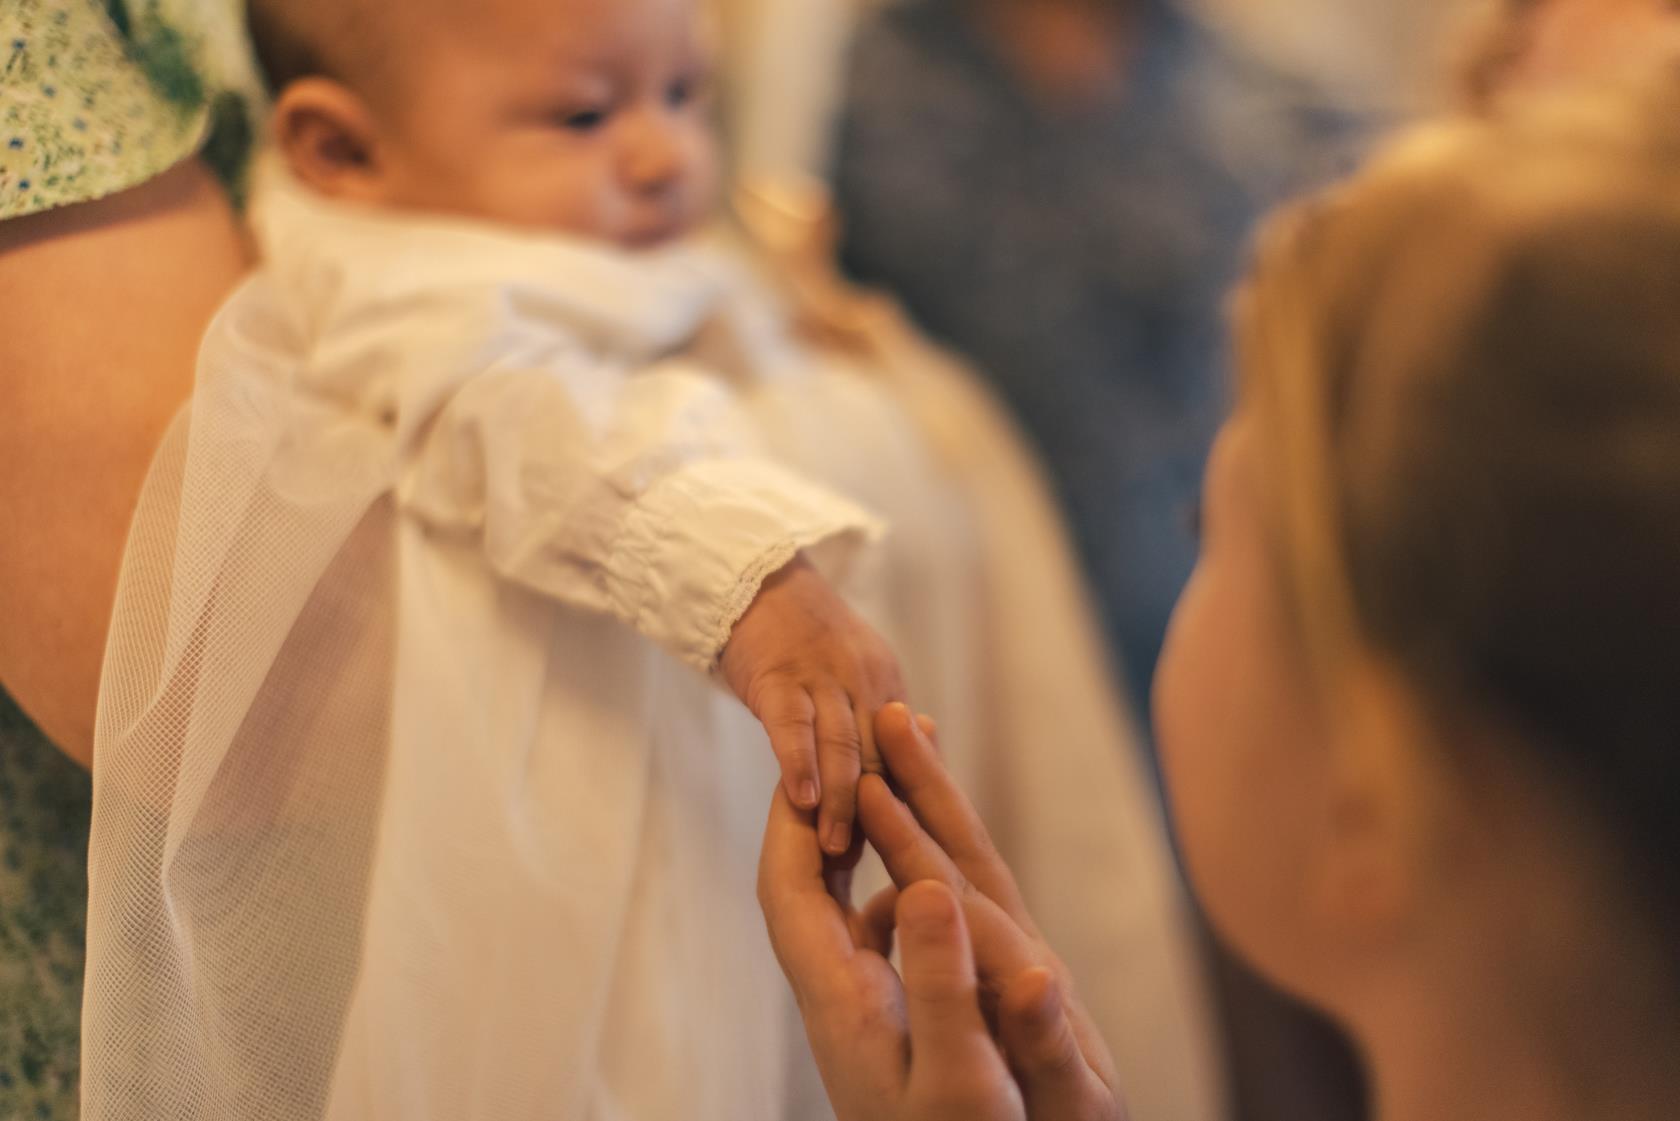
x=815 y=675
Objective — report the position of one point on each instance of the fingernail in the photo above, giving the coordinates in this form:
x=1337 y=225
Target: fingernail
x=807 y=794
x=839 y=837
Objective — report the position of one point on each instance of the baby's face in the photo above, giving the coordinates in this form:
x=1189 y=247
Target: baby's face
x=590 y=117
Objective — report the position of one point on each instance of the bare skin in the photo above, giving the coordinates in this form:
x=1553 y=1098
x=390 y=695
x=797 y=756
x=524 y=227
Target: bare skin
x=1071 y=53
x=105 y=304
x=1569 y=40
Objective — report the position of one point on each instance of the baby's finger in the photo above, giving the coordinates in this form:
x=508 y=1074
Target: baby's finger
x=789 y=718
x=930 y=729
x=869 y=756
x=839 y=758
x=886 y=686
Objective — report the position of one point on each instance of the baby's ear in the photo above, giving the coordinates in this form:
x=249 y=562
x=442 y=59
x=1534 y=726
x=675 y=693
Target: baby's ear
x=329 y=139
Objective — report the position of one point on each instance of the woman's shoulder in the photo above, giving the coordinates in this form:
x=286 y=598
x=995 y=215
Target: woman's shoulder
x=106 y=305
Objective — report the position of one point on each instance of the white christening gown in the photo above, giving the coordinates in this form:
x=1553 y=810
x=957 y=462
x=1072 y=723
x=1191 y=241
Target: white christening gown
x=414 y=797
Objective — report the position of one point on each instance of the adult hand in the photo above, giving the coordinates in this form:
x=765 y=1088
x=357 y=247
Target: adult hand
x=918 y=1050
x=934 y=835
x=922 y=1049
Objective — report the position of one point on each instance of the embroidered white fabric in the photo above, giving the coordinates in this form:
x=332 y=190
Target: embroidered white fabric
x=412 y=797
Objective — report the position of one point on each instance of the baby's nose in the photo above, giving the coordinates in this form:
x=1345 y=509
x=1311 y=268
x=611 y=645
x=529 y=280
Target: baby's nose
x=654 y=157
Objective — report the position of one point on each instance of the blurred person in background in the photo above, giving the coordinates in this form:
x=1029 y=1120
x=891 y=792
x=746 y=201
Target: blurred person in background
x=1469 y=345
x=1061 y=190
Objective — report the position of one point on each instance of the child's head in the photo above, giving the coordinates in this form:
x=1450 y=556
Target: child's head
x=1420 y=709
x=585 y=116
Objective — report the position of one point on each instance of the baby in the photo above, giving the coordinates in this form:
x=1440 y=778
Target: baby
x=478 y=499
x=588 y=118
x=418 y=795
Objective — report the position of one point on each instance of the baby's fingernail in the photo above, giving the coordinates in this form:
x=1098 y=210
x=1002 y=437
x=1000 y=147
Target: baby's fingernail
x=839 y=837
x=807 y=794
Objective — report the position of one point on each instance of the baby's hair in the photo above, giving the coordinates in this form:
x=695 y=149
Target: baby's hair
x=296 y=39
x=1466 y=368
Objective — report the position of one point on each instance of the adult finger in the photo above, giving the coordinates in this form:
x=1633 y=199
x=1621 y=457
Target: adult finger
x=948 y=1034
x=807 y=927
x=790 y=719
x=839 y=871
x=873 y=926
x=930 y=729
x=1002 y=949
x=943 y=809
x=903 y=845
x=839 y=759
x=1044 y=1051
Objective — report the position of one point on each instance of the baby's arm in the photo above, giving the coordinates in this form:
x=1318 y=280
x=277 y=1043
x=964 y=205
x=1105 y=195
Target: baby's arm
x=643 y=496
x=814 y=674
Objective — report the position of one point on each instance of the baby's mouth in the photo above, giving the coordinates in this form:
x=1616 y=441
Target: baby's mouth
x=651 y=235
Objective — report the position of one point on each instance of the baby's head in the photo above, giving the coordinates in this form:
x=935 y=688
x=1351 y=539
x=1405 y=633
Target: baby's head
x=590 y=117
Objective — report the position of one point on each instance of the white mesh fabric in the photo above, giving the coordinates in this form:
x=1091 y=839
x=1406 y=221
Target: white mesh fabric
x=321 y=871
x=241 y=741
x=380 y=834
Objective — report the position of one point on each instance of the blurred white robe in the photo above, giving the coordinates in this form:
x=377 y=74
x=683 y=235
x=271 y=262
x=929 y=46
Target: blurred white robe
x=413 y=796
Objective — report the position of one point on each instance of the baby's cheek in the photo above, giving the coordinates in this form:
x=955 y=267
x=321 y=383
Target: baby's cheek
x=704 y=179
x=585 y=203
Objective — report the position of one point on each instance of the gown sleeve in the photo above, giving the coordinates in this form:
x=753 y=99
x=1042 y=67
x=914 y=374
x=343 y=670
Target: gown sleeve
x=642 y=494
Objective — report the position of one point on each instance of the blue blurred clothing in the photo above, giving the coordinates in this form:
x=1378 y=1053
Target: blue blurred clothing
x=1079 y=257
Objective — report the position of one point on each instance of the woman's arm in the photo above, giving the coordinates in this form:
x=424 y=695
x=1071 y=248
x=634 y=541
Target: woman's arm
x=101 y=309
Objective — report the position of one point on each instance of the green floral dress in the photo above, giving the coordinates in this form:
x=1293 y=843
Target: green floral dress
x=45 y=800
x=100 y=95
x=96 y=96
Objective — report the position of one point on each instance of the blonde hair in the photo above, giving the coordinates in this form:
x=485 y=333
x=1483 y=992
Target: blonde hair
x=1465 y=370
x=1495 y=43
x=1497 y=40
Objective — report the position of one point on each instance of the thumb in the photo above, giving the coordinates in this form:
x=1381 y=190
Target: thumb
x=948 y=1035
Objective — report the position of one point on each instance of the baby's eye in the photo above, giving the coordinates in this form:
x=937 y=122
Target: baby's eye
x=682 y=92
x=583 y=120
